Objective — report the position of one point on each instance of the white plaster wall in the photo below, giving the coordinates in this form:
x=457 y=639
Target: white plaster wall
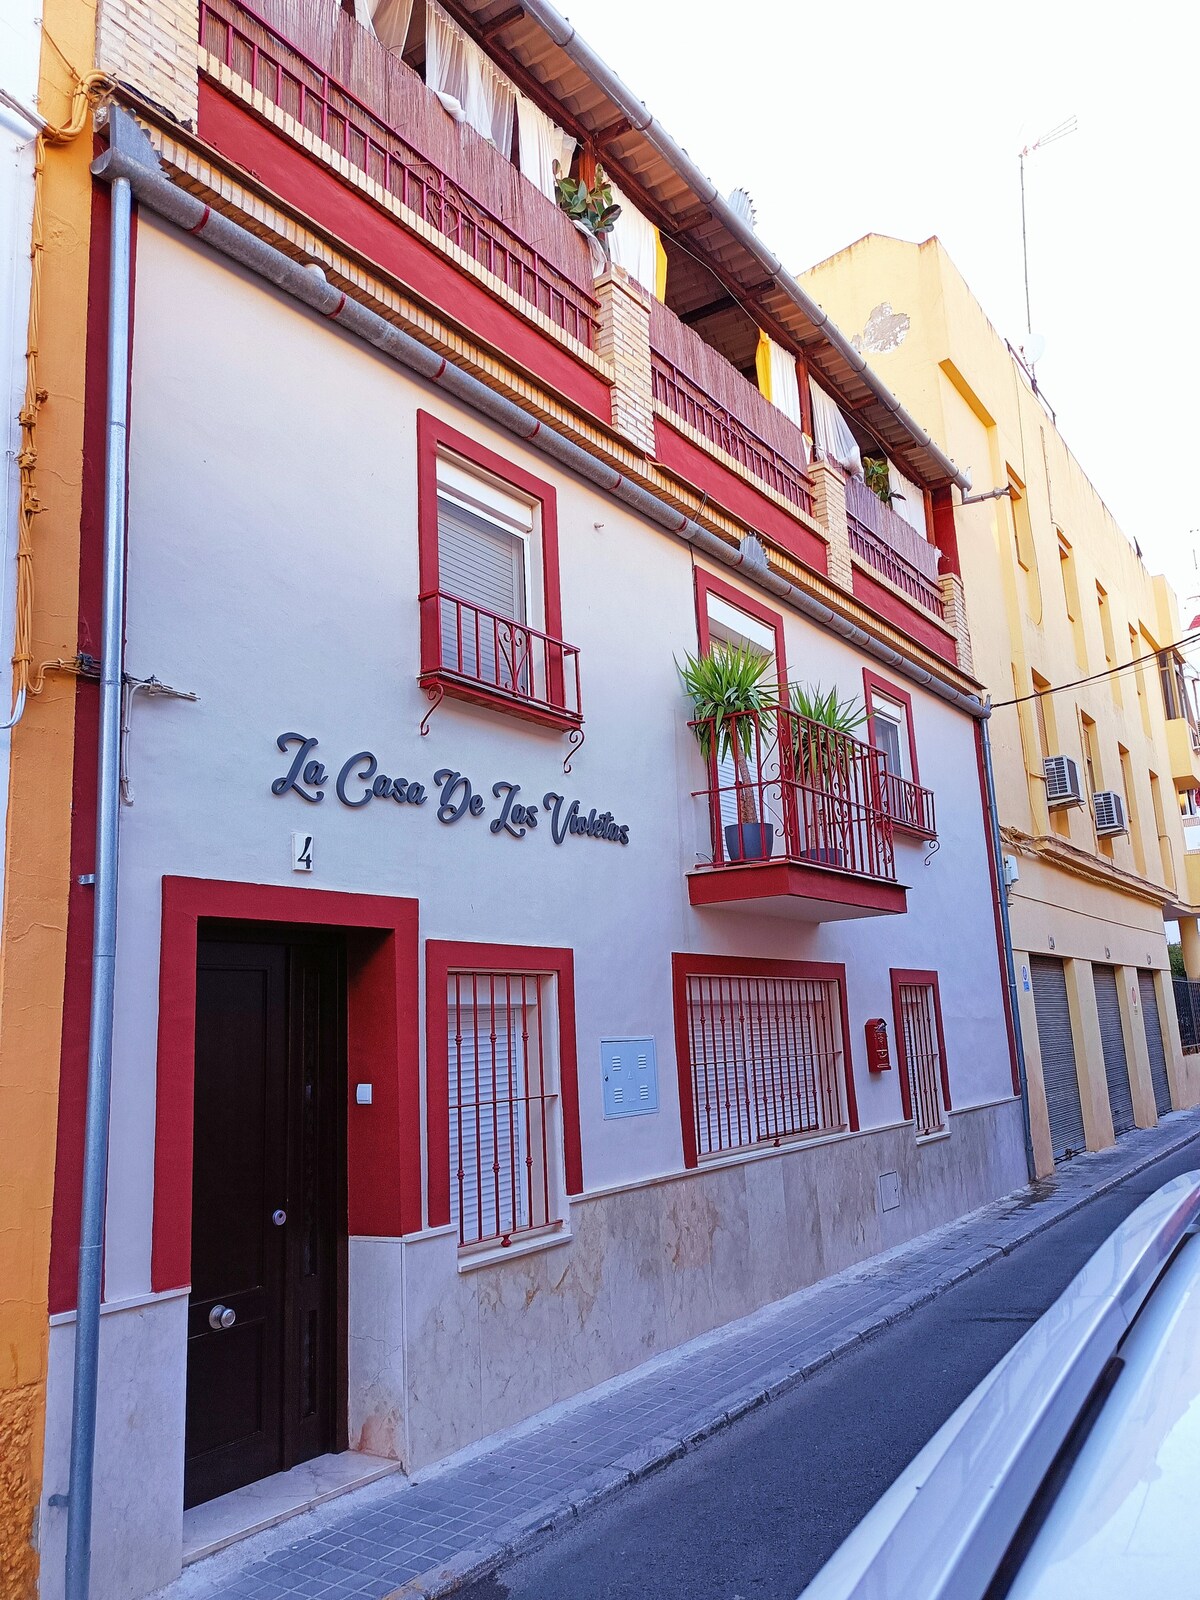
x=273 y=571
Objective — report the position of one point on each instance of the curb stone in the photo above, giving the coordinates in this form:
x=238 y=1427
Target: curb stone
x=523 y=1535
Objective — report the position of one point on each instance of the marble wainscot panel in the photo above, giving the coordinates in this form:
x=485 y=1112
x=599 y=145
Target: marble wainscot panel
x=137 y=1539
x=376 y=1348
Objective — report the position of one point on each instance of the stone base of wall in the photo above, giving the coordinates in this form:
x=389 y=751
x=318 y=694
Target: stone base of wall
x=439 y=1358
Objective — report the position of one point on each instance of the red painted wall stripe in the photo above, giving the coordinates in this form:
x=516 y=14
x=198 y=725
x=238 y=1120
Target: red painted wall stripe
x=307 y=184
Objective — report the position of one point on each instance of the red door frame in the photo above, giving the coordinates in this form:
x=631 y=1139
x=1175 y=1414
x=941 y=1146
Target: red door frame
x=383 y=1155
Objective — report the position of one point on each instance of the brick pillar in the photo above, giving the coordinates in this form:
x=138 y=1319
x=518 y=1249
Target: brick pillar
x=151 y=45
x=624 y=340
x=829 y=508
x=955 y=601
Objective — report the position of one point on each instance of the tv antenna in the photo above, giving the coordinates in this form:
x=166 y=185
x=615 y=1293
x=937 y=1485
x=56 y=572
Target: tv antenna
x=1034 y=343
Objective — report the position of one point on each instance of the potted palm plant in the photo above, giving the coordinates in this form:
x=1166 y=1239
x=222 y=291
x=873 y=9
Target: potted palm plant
x=824 y=720
x=728 y=693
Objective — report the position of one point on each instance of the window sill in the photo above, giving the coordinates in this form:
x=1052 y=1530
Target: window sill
x=765 y=1147
x=912 y=831
x=488 y=1255
x=933 y=1138
x=482 y=694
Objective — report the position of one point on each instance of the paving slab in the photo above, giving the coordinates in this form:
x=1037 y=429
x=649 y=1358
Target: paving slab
x=423 y=1537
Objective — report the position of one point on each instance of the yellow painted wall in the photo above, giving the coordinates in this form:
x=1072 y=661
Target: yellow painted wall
x=1080 y=896
x=33 y=941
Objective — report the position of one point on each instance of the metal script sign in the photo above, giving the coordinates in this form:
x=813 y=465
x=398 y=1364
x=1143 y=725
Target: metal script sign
x=360 y=781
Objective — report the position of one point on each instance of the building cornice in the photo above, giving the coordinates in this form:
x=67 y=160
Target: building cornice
x=1079 y=863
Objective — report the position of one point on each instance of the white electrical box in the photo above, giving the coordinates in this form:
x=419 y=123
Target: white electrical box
x=630 y=1071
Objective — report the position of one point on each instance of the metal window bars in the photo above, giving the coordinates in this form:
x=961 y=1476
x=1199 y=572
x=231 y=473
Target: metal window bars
x=501 y=1107
x=766 y=1059
x=922 y=1055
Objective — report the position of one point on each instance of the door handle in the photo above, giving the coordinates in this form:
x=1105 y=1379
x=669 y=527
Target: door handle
x=221 y=1317
x=279 y=1217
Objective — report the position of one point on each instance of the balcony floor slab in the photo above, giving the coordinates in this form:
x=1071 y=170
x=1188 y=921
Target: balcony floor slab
x=797 y=891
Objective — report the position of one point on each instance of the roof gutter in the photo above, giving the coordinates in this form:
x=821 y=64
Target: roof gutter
x=132 y=156
x=565 y=36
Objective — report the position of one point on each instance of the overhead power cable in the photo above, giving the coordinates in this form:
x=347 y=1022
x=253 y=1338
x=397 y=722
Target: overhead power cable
x=1096 y=677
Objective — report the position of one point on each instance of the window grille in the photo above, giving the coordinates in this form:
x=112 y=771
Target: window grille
x=922 y=1055
x=502 y=1106
x=766 y=1059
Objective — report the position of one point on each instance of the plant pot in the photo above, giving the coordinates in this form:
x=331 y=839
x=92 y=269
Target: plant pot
x=825 y=855
x=749 y=841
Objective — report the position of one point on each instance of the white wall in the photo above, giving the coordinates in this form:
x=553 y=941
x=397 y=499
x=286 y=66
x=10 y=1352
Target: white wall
x=19 y=43
x=273 y=570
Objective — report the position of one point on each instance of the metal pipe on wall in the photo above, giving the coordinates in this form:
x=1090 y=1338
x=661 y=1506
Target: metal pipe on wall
x=993 y=824
x=104 y=936
x=131 y=155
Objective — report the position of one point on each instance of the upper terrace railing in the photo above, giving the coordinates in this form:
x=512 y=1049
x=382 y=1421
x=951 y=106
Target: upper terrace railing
x=783 y=788
x=711 y=396
x=886 y=542
x=360 y=126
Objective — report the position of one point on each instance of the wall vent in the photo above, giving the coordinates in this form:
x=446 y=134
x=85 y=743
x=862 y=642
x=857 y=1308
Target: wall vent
x=1110 y=812
x=1062 y=781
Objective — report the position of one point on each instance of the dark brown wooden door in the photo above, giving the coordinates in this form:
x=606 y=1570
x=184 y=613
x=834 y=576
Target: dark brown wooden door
x=267 y=1206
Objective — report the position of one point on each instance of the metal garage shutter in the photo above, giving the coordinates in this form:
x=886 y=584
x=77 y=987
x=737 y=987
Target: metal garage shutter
x=1154 y=1043
x=1116 y=1068
x=1058 y=1055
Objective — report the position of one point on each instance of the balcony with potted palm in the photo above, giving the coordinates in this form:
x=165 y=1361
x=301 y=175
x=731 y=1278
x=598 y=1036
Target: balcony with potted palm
x=796 y=806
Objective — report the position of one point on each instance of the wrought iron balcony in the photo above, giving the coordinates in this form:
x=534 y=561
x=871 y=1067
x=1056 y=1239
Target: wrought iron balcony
x=358 y=123
x=472 y=654
x=696 y=384
x=886 y=542
x=909 y=805
x=798 y=820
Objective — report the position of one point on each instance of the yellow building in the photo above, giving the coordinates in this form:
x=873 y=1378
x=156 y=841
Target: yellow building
x=1089 y=775
x=37 y=852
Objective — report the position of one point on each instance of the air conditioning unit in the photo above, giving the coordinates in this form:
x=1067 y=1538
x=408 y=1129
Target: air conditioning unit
x=1110 y=812
x=1062 y=781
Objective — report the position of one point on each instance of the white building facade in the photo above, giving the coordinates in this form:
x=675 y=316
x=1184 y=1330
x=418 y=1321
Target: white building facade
x=469 y=1050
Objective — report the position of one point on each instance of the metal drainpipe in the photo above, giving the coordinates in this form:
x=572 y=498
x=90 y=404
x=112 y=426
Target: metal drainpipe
x=1010 y=964
x=104 y=937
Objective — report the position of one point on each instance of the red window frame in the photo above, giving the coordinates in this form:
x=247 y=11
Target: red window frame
x=708 y=583
x=685 y=966
x=918 y=976
x=443 y=956
x=434 y=436
x=874 y=684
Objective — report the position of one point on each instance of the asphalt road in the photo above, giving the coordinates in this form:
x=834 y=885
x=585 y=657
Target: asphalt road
x=756 y=1510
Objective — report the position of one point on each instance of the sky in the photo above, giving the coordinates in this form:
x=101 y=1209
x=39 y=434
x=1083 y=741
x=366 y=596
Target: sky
x=843 y=120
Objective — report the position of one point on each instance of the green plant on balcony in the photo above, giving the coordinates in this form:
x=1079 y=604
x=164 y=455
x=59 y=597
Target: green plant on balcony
x=823 y=727
x=875 y=476
x=728 y=697
x=592 y=210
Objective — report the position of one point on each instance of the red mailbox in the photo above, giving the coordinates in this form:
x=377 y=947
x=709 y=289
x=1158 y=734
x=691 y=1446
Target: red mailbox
x=878 y=1056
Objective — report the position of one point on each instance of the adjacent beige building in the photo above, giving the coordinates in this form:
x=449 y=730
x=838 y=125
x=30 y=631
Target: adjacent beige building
x=1094 y=733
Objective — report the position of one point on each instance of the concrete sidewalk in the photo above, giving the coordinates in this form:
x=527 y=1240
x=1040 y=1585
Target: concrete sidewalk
x=425 y=1536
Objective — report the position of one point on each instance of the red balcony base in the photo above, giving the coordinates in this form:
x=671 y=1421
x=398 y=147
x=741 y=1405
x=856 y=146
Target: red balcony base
x=516 y=705
x=797 y=891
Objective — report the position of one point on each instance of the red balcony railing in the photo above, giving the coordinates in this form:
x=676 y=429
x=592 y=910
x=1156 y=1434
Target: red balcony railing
x=909 y=805
x=881 y=537
x=494 y=658
x=237 y=36
x=783 y=788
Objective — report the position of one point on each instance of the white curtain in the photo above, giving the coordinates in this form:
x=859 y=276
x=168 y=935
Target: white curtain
x=387 y=19
x=907 y=500
x=778 y=367
x=467 y=83
x=543 y=143
x=831 y=432
x=633 y=243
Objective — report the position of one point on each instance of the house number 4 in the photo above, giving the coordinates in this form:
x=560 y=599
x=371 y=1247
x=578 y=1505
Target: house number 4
x=302 y=852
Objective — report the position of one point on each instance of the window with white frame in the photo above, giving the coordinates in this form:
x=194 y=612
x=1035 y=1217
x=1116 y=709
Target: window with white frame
x=505 y=1140
x=766 y=1059
x=920 y=1037
x=730 y=625
x=889 y=734
x=489 y=579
